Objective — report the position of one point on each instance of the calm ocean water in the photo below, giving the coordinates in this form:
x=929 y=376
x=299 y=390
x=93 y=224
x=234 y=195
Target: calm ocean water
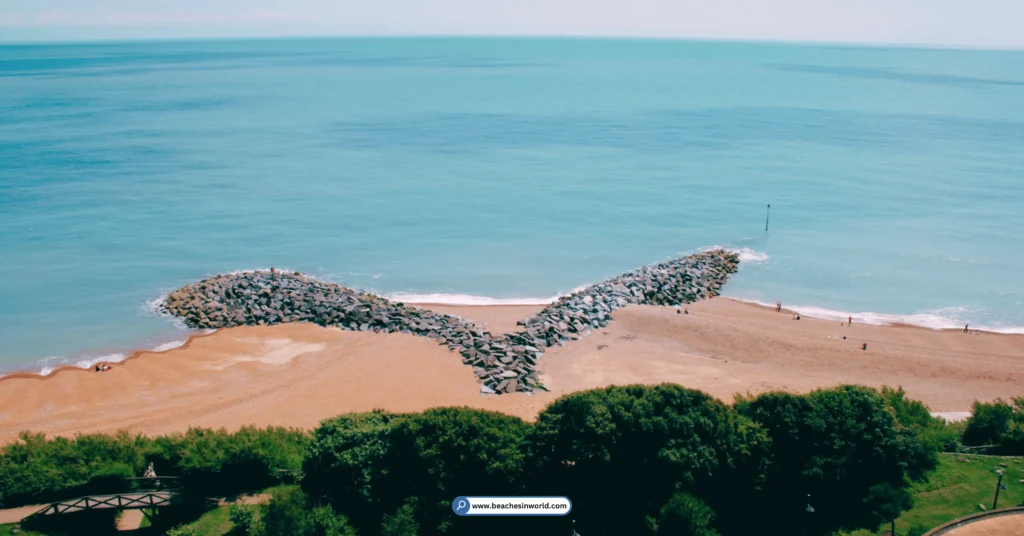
x=509 y=169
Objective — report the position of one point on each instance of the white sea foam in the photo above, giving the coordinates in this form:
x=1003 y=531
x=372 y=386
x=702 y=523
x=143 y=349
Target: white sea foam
x=746 y=255
x=49 y=364
x=152 y=308
x=750 y=256
x=267 y=270
x=464 y=299
x=169 y=346
x=942 y=318
x=467 y=299
x=91 y=361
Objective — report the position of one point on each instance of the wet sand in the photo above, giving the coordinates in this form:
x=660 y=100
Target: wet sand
x=296 y=375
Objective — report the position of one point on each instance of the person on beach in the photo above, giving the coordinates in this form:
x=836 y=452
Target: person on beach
x=849 y=320
x=965 y=328
x=686 y=311
x=778 y=307
x=865 y=347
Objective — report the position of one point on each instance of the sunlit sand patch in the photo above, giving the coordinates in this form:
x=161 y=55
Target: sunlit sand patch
x=275 y=352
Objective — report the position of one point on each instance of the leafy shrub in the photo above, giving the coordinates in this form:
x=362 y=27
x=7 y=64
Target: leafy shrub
x=291 y=513
x=218 y=462
x=917 y=530
x=182 y=530
x=244 y=520
x=402 y=523
x=34 y=469
x=914 y=414
x=998 y=424
x=684 y=515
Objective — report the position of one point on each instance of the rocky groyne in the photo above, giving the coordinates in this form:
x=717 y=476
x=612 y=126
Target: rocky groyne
x=503 y=363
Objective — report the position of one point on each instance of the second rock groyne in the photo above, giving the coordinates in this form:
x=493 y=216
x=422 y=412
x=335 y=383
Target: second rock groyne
x=503 y=363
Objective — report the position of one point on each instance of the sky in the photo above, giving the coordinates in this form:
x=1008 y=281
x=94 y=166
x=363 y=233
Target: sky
x=974 y=23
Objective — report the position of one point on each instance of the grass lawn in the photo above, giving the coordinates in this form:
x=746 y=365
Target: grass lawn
x=213 y=523
x=956 y=489
x=217 y=522
x=5 y=530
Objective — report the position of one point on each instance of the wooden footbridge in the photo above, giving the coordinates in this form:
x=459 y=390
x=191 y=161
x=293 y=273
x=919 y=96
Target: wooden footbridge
x=122 y=501
x=152 y=493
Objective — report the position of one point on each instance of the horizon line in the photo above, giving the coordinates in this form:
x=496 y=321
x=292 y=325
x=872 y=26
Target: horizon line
x=567 y=36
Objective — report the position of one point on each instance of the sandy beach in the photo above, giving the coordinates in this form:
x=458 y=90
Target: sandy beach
x=298 y=374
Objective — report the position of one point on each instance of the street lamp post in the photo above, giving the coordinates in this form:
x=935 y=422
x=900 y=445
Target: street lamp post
x=808 y=511
x=999 y=486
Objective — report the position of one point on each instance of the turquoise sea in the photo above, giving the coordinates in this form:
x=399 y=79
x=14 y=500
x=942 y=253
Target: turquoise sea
x=479 y=170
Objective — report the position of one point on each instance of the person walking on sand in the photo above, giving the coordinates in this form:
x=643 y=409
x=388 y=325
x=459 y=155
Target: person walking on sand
x=778 y=307
x=849 y=320
x=965 y=328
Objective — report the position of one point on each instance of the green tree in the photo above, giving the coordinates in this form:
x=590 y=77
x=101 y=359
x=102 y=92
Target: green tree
x=346 y=465
x=373 y=464
x=684 y=515
x=999 y=424
x=218 y=461
x=446 y=452
x=914 y=414
x=291 y=513
x=401 y=523
x=324 y=521
x=285 y=513
x=885 y=502
x=244 y=520
x=620 y=453
x=787 y=420
x=844 y=447
x=988 y=423
x=35 y=469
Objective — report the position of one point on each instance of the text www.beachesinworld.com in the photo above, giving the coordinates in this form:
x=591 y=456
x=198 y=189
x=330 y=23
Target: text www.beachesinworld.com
x=520 y=506
x=526 y=506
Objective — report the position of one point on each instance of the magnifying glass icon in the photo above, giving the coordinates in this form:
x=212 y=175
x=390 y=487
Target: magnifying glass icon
x=460 y=505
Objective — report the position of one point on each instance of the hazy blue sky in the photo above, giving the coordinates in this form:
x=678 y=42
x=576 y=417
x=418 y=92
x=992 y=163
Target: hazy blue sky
x=998 y=23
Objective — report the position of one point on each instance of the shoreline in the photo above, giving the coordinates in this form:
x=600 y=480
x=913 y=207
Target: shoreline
x=900 y=325
x=298 y=374
x=133 y=354
x=445 y=307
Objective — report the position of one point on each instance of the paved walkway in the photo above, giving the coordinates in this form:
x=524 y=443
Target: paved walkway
x=14 y=515
x=1009 y=525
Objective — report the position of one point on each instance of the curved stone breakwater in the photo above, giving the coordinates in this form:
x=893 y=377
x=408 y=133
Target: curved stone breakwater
x=503 y=363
